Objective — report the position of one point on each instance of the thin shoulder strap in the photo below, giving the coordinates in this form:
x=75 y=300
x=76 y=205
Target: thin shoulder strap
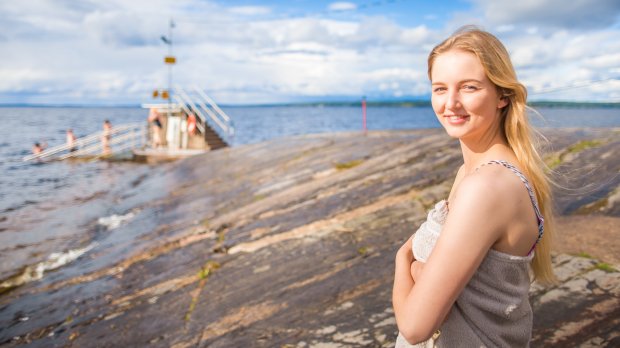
x=530 y=191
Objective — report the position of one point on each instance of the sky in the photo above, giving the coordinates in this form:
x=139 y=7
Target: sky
x=72 y=52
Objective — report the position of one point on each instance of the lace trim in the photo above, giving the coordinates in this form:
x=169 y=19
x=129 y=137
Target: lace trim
x=426 y=236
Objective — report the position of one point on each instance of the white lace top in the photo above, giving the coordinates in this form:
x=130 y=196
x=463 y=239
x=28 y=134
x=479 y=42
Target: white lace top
x=426 y=236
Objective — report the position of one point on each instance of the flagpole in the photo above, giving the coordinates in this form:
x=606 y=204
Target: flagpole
x=170 y=67
x=170 y=60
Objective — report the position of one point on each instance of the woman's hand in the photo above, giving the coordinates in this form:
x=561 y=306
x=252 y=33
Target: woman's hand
x=416 y=269
x=404 y=256
x=402 y=262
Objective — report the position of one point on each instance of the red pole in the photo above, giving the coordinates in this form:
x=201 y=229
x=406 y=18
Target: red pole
x=364 y=114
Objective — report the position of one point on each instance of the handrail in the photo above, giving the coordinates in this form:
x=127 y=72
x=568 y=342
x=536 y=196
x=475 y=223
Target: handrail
x=216 y=114
x=188 y=111
x=212 y=103
x=97 y=146
x=230 y=129
x=213 y=116
x=187 y=100
x=92 y=142
x=160 y=106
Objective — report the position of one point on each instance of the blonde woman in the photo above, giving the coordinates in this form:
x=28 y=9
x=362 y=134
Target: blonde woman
x=462 y=280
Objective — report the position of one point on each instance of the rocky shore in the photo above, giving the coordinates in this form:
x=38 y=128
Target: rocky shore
x=290 y=243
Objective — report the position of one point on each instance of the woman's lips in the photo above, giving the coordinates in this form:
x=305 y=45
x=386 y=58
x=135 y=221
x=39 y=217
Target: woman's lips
x=456 y=119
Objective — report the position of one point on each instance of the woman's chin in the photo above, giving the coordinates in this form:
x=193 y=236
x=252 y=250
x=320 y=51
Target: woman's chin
x=453 y=133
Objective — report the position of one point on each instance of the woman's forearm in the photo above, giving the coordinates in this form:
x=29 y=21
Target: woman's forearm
x=403 y=283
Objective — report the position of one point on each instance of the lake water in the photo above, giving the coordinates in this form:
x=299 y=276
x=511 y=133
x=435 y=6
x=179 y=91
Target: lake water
x=49 y=212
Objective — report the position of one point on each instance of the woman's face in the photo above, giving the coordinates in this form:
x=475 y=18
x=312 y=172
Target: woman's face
x=464 y=99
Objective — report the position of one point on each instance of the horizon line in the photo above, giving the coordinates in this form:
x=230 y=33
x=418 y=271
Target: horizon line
x=379 y=102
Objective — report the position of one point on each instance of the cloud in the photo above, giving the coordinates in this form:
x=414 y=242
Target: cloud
x=39 y=20
x=23 y=79
x=121 y=29
x=582 y=14
x=604 y=61
x=250 y=10
x=342 y=6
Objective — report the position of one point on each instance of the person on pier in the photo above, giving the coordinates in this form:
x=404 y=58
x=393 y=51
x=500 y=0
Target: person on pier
x=71 y=140
x=106 y=137
x=38 y=147
x=154 y=120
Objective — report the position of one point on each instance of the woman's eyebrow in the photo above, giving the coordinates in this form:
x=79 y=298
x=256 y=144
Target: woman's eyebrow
x=462 y=81
x=470 y=80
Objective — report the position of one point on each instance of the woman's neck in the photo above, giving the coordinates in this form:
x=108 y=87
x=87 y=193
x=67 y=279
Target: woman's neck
x=475 y=153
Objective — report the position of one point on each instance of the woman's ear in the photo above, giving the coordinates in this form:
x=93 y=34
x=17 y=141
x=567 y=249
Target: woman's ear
x=503 y=101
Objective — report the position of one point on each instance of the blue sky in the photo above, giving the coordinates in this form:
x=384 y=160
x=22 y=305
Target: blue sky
x=255 y=52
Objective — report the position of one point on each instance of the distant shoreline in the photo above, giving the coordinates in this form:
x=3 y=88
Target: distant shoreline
x=375 y=103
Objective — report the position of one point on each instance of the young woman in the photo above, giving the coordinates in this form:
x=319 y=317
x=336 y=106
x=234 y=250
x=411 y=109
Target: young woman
x=462 y=280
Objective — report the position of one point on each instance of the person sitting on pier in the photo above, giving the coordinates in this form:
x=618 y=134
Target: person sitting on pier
x=71 y=139
x=37 y=148
x=156 y=127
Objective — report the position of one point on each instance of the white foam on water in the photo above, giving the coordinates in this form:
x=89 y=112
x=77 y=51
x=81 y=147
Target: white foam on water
x=58 y=259
x=114 y=221
x=35 y=272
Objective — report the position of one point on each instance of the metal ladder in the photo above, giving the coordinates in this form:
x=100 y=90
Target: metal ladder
x=122 y=138
x=196 y=101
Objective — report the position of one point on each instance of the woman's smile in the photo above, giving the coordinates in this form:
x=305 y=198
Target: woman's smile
x=456 y=119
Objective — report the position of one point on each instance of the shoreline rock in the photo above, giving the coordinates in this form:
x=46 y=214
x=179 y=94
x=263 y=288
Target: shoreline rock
x=290 y=243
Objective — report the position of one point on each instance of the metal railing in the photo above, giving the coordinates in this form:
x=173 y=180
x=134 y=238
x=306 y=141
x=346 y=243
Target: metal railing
x=186 y=108
x=199 y=103
x=122 y=137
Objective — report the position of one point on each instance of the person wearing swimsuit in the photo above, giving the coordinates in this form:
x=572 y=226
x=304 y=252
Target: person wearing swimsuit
x=106 y=137
x=462 y=279
x=156 y=127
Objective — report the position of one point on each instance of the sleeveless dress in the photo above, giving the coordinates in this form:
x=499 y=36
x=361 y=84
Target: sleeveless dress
x=493 y=310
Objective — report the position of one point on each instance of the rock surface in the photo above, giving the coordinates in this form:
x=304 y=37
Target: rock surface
x=290 y=243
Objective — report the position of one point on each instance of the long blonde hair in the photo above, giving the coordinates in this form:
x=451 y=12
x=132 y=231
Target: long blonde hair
x=515 y=125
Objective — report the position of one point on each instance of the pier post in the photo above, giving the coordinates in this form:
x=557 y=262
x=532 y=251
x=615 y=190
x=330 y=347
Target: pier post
x=364 y=115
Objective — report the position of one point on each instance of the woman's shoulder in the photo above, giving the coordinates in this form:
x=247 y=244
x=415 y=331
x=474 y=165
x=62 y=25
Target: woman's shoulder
x=484 y=201
x=493 y=183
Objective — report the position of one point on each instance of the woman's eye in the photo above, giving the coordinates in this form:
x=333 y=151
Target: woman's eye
x=439 y=89
x=470 y=87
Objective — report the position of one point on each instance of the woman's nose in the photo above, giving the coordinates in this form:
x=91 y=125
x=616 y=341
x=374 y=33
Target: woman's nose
x=453 y=101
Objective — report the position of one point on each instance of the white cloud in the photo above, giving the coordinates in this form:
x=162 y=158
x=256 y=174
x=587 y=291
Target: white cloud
x=342 y=6
x=411 y=37
x=605 y=61
x=117 y=28
x=505 y=28
x=250 y=10
x=554 y=13
x=22 y=79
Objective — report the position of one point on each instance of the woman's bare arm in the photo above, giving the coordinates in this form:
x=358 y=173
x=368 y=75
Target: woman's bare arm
x=478 y=215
